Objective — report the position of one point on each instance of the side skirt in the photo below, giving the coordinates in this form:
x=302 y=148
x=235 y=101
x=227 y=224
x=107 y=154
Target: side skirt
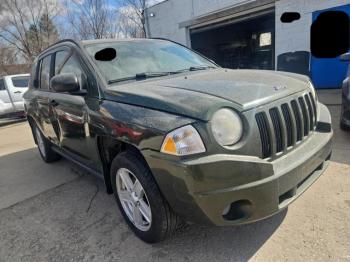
x=76 y=159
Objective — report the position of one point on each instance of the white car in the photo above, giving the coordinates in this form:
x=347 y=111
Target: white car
x=12 y=88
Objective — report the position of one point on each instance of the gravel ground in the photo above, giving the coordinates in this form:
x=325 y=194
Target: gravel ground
x=59 y=213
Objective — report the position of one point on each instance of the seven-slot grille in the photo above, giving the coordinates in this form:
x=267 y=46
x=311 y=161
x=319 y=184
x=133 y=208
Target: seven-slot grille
x=283 y=126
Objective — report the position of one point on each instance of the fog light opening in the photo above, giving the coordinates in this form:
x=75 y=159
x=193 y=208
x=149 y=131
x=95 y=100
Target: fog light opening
x=240 y=209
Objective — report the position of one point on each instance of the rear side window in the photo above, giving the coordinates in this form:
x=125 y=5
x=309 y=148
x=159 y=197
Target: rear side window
x=20 y=81
x=45 y=73
x=2 y=84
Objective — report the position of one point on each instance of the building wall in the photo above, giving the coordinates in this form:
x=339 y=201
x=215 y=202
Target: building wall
x=170 y=13
x=204 y=7
x=167 y=16
x=289 y=37
x=295 y=36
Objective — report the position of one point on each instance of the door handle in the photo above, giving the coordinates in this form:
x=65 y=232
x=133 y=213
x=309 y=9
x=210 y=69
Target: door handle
x=53 y=103
x=18 y=92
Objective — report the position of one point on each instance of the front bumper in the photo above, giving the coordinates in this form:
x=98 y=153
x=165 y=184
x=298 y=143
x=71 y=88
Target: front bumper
x=244 y=188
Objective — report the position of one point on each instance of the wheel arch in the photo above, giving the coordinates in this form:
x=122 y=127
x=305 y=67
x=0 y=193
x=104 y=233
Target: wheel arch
x=108 y=149
x=32 y=124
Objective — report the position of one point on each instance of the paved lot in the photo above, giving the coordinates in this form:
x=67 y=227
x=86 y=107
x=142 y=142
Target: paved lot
x=57 y=212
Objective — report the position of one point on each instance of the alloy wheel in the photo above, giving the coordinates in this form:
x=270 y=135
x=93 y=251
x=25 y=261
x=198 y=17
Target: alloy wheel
x=133 y=199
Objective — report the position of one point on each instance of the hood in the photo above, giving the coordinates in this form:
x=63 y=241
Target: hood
x=196 y=94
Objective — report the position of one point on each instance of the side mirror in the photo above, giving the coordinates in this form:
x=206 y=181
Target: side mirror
x=345 y=57
x=65 y=83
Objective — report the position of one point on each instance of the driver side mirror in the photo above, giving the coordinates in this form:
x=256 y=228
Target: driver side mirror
x=345 y=57
x=67 y=82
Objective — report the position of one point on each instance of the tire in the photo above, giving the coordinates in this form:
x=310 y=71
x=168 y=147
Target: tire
x=44 y=147
x=163 y=220
x=344 y=127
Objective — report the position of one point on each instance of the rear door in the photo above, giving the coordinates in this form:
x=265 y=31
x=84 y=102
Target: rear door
x=18 y=85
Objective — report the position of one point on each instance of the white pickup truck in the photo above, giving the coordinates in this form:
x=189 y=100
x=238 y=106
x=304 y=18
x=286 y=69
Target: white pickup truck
x=12 y=88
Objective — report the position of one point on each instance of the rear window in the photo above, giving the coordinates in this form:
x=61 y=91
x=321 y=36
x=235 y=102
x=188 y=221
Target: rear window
x=20 y=81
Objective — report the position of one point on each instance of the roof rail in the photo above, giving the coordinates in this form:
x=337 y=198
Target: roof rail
x=59 y=42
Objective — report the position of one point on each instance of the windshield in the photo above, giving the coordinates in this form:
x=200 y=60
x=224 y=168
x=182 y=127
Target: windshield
x=141 y=57
x=20 y=81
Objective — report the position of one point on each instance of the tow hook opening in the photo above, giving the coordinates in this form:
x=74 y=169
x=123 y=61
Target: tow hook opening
x=237 y=210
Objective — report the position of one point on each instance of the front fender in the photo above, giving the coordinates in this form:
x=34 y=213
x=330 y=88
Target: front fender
x=142 y=127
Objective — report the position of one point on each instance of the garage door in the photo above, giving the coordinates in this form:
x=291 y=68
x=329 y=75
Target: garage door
x=247 y=44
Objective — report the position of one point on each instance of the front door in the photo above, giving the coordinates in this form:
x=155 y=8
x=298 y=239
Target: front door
x=70 y=111
x=42 y=97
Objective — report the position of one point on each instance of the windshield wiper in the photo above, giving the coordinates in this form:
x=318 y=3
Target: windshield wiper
x=196 y=68
x=141 y=76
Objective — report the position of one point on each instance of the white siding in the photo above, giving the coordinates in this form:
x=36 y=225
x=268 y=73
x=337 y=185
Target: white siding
x=296 y=35
x=204 y=7
x=167 y=17
x=169 y=14
x=289 y=37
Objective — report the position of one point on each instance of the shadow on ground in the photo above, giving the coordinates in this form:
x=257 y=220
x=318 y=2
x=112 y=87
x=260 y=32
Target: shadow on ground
x=79 y=221
x=24 y=175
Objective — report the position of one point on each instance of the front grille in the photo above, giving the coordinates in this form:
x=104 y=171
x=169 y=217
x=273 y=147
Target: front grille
x=261 y=120
x=289 y=125
x=298 y=120
x=284 y=126
x=277 y=126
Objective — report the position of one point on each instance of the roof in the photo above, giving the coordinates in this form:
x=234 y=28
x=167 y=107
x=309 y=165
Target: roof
x=97 y=41
x=112 y=40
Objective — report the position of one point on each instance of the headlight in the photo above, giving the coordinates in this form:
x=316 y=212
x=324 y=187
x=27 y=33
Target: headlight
x=227 y=127
x=183 y=141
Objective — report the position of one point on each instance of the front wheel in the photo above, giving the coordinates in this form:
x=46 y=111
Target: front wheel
x=145 y=210
x=44 y=146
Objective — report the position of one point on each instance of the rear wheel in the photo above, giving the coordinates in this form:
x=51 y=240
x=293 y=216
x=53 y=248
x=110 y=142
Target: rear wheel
x=44 y=146
x=145 y=210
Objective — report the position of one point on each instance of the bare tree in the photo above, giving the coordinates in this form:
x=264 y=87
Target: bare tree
x=132 y=17
x=128 y=24
x=91 y=19
x=7 y=57
x=22 y=25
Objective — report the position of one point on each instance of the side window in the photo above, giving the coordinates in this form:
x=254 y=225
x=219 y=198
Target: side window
x=73 y=65
x=2 y=84
x=61 y=57
x=45 y=73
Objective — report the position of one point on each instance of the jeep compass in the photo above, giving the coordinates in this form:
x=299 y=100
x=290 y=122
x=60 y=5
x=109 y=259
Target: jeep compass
x=174 y=136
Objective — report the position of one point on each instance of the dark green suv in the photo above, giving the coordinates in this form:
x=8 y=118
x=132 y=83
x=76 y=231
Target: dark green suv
x=174 y=136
